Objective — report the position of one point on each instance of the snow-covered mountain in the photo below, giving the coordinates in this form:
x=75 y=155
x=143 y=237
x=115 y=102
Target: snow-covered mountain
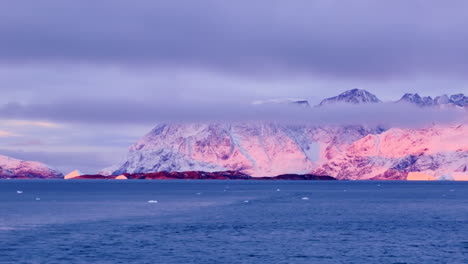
x=270 y=149
x=417 y=99
x=398 y=154
x=258 y=149
x=14 y=168
x=459 y=100
x=354 y=96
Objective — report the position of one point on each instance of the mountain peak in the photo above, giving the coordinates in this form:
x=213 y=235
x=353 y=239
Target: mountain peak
x=416 y=99
x=354 y=96
x=456 y=99
x=459 y=99
x=442 y=99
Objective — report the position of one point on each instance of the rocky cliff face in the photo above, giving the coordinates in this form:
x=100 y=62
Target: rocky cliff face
x=14 y=168
x=399 y=154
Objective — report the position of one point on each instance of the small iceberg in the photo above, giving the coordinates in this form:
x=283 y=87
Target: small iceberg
x=38 y=199
x=73 y=174
x=19 y=192
x=278 y=190
x=305 y=198
x=153 y=201
x=246 y=201
x=446 y=177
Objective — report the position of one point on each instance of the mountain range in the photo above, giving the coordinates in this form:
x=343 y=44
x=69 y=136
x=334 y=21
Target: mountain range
x=267 y=149
x=456 y=100
x=341 y=151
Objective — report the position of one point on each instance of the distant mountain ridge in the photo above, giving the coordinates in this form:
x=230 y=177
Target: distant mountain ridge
x=457 y=100
x=360 y=96
x=14 y=168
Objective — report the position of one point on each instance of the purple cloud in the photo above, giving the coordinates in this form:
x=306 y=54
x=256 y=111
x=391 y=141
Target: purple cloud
x=361 y=38
x=129 y=113
x=87 y=162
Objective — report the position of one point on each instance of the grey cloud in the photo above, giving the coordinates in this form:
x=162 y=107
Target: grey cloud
x=126 y=113
x=31 y=142
x=361 y=38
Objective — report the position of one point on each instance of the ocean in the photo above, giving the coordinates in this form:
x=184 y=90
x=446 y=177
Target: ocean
x=176 y=221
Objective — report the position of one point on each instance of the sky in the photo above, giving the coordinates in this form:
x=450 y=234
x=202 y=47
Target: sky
x=80 y=81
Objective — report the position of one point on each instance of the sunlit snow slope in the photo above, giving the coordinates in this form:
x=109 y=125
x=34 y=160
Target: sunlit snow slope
x=344 y=152
x=14 y=168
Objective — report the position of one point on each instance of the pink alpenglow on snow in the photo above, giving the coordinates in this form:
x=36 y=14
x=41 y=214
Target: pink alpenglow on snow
x=357 y=152
x=15 y=168
x=437 y=152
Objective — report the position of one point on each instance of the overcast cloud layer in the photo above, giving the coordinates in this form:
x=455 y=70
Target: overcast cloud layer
x=126 y=114
x=366 y=38
x=103 y=72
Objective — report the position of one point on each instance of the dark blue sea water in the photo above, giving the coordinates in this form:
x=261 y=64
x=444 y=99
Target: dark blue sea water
x=89 y=221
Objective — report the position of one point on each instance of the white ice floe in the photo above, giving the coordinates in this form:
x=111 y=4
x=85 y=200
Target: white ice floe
x=73 y=174
x=246 y=201
x=38 y=199
x=278 y=190
x=153 y=201
x=305 y=198
x=19 y=192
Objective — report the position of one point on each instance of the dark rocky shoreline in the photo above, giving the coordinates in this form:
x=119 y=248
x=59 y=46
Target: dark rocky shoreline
x=201 y=175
